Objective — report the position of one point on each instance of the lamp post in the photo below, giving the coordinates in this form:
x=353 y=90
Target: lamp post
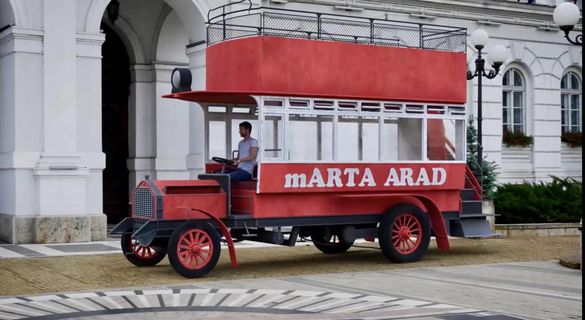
x=566 y=15
x=497 y=56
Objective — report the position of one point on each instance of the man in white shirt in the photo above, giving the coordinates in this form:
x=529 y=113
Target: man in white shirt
x=247 y=152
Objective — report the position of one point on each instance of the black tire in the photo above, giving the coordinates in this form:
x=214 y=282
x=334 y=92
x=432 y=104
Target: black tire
x=182 y=259
x=396 y=237
x=141 y=256
x=330 y=241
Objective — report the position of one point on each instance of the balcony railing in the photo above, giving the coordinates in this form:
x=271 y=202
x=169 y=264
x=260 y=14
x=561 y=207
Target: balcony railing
x=288 y=23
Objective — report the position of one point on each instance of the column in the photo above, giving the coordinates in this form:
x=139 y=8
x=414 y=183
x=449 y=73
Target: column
x=196 y=158
x=21 y=123
x=142 y=124
x=172 y=128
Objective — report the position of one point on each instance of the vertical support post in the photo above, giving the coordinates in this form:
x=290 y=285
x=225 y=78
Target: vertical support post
x=261 y=31
x=318 y=26
x=223 y=21
x=420 y=36
x=371 y=31
x=480 y=69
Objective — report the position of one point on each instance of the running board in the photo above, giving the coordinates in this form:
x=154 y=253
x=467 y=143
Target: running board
x=265 y=236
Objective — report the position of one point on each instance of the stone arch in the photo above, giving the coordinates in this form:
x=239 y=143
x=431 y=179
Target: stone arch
x=95 y=15
x=7 y=14
x=20 y=13
x=190 y=12
x=130 y=38
x=171 y=40
x=567 y=59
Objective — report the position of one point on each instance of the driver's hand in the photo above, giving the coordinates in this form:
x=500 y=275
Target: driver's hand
x=235 y=162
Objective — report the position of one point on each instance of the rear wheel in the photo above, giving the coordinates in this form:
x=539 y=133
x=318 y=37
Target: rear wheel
x=330 y=241
x=141 y=256
x=404 y=233
x=194 y=249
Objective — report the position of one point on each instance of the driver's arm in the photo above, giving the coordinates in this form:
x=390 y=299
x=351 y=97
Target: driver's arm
x=253 y=154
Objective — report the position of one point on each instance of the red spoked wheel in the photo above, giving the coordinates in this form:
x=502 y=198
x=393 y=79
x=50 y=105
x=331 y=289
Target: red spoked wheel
x=404 y=233
x=142 y=256
x=194 y=249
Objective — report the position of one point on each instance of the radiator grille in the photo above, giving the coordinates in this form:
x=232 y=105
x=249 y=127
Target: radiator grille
x=143 y=203
x=137 y=224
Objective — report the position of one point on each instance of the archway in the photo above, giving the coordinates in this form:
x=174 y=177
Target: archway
x=7 y=16
x=115 y=92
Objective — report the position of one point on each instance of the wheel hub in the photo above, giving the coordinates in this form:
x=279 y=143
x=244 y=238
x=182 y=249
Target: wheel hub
x=404 y=233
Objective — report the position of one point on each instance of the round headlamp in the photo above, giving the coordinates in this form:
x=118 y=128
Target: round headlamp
x=181 y=80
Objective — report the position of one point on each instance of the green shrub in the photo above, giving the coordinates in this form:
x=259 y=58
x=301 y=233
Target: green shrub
x=517 y=138
x=557 y=201
x=573 y=139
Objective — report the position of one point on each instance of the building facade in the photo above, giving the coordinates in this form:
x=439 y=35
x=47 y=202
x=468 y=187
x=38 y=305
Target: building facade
x=82 y=119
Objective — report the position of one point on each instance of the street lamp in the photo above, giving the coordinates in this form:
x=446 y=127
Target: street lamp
x=497 y=55
x=566 y=15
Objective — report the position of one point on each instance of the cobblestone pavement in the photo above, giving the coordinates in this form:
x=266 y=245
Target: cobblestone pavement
x=483 y=292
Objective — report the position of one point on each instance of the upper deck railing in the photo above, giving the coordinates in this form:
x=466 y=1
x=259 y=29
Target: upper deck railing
x=287 y=23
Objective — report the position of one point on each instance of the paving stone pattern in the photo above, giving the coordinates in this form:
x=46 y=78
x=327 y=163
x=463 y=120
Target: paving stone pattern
x=187 y=299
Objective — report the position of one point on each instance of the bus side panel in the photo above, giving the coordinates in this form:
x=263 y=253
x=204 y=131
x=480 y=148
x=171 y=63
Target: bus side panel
x=327 y=204
x=360 y=177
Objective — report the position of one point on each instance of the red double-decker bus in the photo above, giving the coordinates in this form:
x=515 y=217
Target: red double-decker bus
x=361 y=128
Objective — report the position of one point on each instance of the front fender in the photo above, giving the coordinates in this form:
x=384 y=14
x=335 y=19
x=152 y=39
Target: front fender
x=124 y=225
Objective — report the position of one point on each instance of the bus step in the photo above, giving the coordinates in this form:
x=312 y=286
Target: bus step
x=467 y=194
x=477 y=215
x=473 y=228
x=471 y=207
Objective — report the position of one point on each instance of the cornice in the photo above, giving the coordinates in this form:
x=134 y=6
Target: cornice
x=493 y=12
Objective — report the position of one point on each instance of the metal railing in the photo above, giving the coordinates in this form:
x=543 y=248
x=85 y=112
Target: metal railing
x=479 y=175
x=287 y=23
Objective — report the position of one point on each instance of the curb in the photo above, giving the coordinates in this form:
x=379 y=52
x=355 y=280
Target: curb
x=573 y=262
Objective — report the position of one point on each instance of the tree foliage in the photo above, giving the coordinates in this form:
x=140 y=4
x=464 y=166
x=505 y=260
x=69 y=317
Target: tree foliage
x=486 y=172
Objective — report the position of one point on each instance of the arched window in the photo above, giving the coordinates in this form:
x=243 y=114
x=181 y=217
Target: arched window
x=571 y=103
x=514 y=101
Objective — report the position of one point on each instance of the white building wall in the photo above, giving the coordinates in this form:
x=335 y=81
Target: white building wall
x=51 y=158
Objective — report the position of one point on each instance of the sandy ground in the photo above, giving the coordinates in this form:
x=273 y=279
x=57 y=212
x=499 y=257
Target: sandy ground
x=63 y=274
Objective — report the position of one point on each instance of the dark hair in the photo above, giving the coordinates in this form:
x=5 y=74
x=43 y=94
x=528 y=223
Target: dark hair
x=246 y=125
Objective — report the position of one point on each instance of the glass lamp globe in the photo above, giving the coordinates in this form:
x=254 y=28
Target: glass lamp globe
x=566 y=14
x=479 y=38
x=498 y=54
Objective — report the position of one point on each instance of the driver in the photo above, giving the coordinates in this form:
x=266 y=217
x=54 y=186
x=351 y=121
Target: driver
x=247 y=152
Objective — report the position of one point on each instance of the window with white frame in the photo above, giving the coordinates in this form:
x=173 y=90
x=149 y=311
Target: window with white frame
x=222 y=128
x=356 y=131
x=571 y=102
x=514 y=101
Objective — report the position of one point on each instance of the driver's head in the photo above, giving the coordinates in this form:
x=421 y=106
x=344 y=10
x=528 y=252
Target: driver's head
x=245 y=129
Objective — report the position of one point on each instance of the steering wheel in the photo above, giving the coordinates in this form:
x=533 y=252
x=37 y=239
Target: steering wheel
x=222 y=160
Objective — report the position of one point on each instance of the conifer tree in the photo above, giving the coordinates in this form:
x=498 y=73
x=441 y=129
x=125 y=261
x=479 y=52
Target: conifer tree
x=486 y=172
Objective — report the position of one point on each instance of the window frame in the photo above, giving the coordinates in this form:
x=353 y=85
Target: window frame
x=380 y=109
x=567 y=110
x=508 y=105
